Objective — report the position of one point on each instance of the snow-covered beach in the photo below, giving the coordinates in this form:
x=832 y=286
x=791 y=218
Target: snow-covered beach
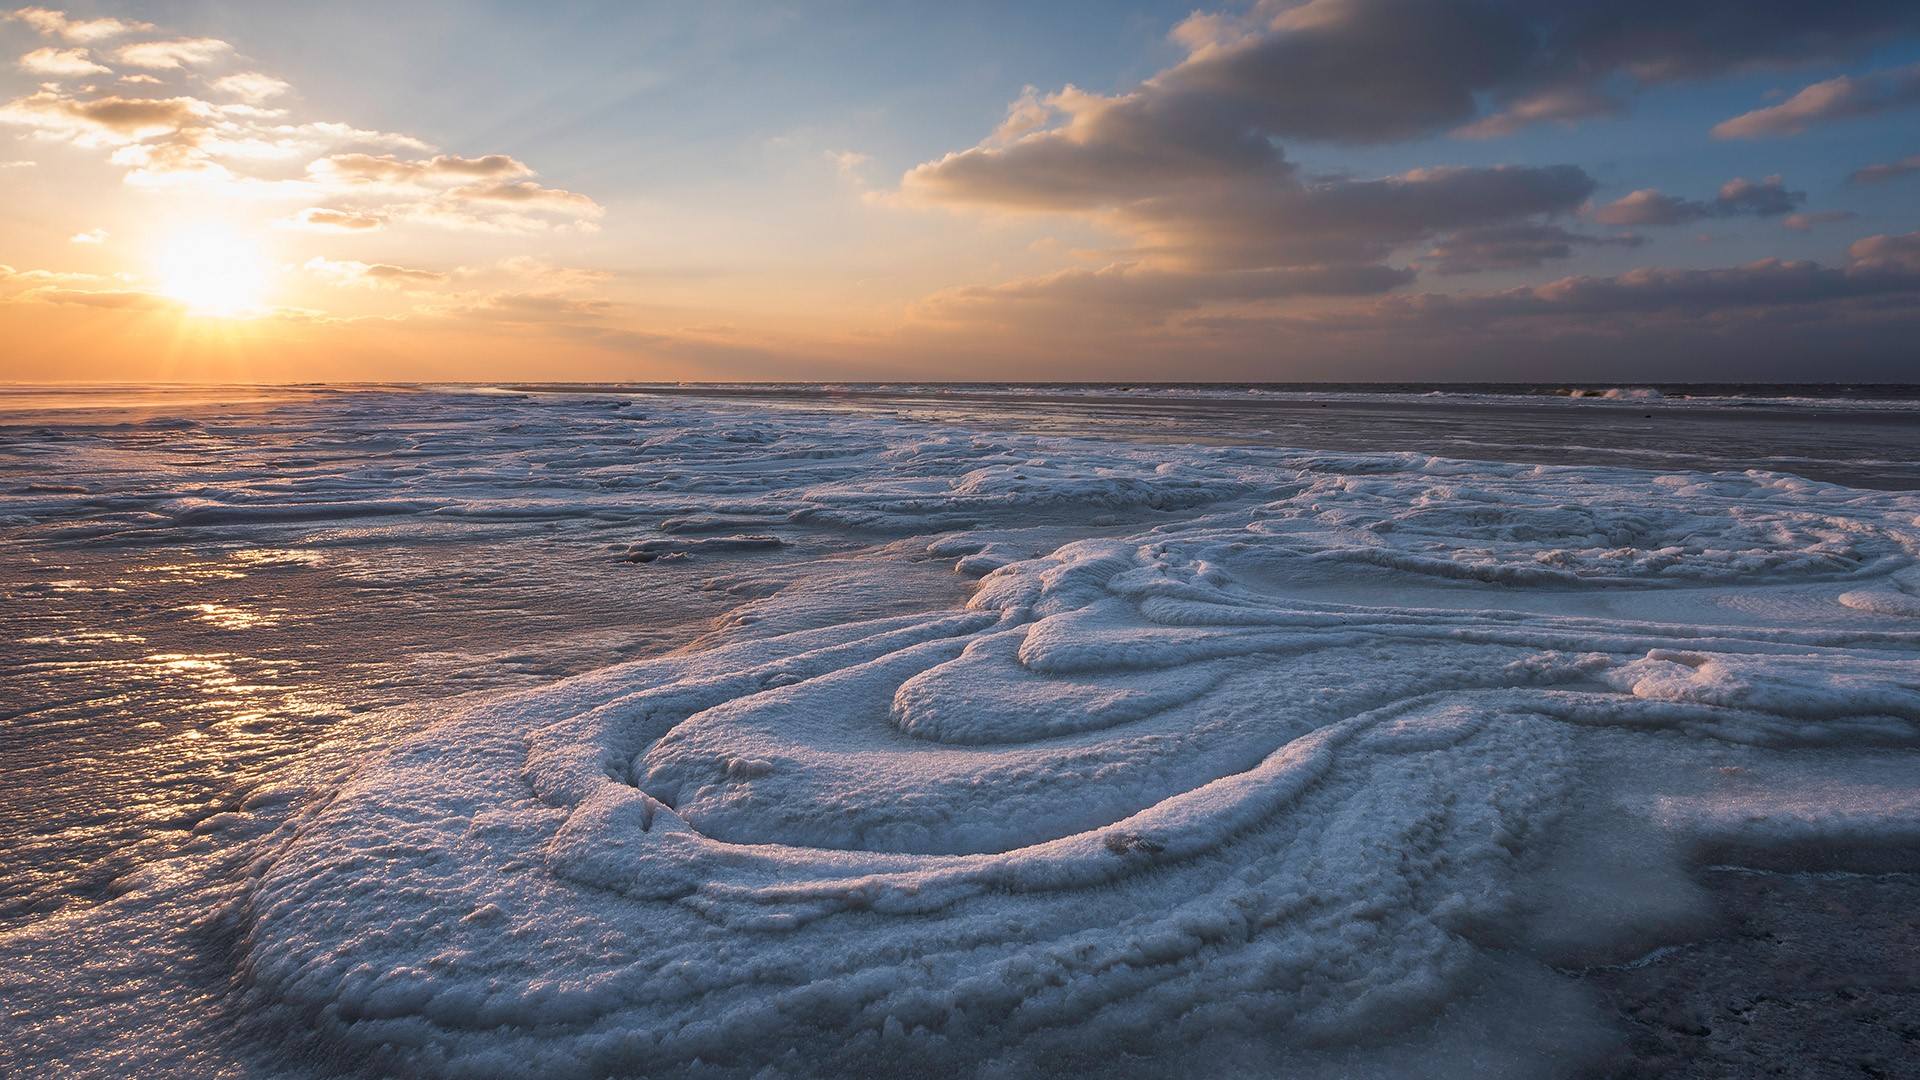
x=897 y=743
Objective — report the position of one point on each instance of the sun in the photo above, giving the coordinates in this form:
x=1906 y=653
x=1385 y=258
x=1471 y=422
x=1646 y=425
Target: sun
x=214 y=270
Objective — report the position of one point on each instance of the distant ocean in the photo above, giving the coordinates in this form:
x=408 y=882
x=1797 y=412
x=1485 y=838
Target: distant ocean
x=1867 y=435
x=1753 y=394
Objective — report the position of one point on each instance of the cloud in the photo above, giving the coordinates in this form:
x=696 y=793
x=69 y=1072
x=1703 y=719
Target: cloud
x=1370 y=70
x=1027 y=113
x=1379 y=70
x=1563 y=105
x=237 y=149
x=848 y=164
x=528 y=270
x=1840 y=98
x=91 y=236
x=1189 y=166
x=1648 y=206
x=61 y=63
x=1891 y=170
x=372 y=275
x=1230 y=199
x=1896 y=253
x=173 y=55
x=1345 y=220
x=485 y=193
x=1758 y=321
x=1805 y=222
x=42 y=278
x=324 y=219
x=385 y=168
x=116 y=299
x=1768 y=198
x=539 y=306
x=528 y=194
x=105 y=120
x=1736 y=197
x=1263 y=234
x=1512 y=247
x=251 y=86
x=1137 y=292
x=1877 y=267
x=52 y=23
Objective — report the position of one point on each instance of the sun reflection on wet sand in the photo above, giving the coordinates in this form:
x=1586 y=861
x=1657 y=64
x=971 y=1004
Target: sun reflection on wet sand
x=234 y=617
x=153 y=691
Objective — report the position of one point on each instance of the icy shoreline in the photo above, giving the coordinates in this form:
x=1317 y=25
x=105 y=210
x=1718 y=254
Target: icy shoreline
x=1248 y=756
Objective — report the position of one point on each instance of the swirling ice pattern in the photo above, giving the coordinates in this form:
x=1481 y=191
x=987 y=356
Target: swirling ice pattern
x=1269 y=767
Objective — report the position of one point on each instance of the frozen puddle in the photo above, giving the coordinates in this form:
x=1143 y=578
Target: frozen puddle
x=1296 y=762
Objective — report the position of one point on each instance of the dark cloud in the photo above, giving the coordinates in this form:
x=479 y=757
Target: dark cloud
x=1737 y=197
x=1371 y=70
x=1666 y=40
x=1768 y=198
x=1358 y=70
x=1763 y=283
x=1840 y=98
x=1188 y=164
x=1512 y=247
x=1761 y=320
x=1878 y=268
x=1270 y=237
x=1344 y=221
x=1379 y=70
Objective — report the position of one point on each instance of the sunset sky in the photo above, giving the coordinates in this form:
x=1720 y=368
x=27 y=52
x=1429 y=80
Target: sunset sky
x=1337 y=189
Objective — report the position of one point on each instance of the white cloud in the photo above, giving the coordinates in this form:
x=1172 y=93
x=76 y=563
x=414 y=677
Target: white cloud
x=91 y=236
x=242 y=145
x=371 y=275
x=171 y=55
x=61 y=63
x=52 y=23
x=251 y=86
x=848 y=164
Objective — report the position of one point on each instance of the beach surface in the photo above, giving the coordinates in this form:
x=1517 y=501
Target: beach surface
x=616 y=731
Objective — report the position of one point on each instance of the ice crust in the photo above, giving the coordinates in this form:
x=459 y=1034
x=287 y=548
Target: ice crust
x=1230 y=747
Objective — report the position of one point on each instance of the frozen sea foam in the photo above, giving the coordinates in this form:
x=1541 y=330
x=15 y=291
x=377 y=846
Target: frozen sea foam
x=1236 y=760
x=1271 y=766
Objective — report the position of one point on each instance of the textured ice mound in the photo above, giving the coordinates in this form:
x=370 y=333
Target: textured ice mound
x=1274 y=769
